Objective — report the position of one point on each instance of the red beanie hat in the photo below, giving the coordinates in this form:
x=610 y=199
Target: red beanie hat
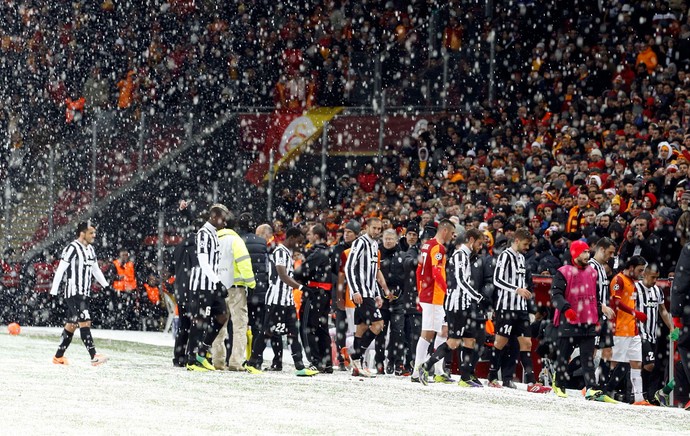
x=576 y=249
x=651 y=197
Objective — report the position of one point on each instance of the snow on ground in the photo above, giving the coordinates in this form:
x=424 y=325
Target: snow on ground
x=139 y=392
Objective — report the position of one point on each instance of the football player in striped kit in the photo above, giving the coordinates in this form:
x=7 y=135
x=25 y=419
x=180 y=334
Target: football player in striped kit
x=364 y=276
x=281 y=316
x=79 y=261
x=462 y=296
x=511 y=316
x=206 y=292
x=650 y=300
x=604 y=249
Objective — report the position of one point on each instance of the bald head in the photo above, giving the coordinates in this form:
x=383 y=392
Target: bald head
x=265 y=231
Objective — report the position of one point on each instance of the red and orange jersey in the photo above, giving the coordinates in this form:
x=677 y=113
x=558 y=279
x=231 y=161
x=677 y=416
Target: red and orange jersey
x=623 y=289
x=431 y=273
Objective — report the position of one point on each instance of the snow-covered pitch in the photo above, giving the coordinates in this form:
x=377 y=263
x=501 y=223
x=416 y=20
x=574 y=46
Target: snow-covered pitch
x=139 y=392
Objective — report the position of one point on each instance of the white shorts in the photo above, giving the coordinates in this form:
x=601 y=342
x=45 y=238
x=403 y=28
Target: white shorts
x=350 y=316
x=627 y=349
x=433 y=317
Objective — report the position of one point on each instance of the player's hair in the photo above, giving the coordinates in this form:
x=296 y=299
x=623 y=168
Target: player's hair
x=82 y=227
x=652 y=267
x=635 y=261
x=218 y=209
x=445 y=223
x=293 y=232
x=522 y=234
x=372 y=220
x=604 y=243
x=473 y=234
x=320 y=231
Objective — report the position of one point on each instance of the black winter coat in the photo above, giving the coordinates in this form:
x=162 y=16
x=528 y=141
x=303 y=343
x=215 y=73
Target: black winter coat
x=394 y=273
x=680 y=288
x=258 y=252
x=183 y=260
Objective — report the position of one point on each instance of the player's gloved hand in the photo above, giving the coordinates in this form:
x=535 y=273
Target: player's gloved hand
x=677 y=322
x=221 y=290
x=675 y=334
x=641 y=316
x=570 y=315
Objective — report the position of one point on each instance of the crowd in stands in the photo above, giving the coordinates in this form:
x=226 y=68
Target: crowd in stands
x=586 y=135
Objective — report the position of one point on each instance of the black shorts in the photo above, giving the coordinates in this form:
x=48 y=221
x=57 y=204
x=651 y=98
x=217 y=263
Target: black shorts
x=78 y=309
x=512 y=324
x=280 y=320
x=367 y=312
x=462 y=326
x=210 y=304
x=648 y=353
x=605 y=338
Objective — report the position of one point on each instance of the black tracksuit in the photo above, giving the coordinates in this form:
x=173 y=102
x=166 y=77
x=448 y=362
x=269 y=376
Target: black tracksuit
x=394 y=273
x=183 y=260
x=315 y=272
x=680 y=306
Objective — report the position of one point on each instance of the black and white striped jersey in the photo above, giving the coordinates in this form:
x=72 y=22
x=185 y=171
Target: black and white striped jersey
x=362 y=266
x=648 y=300
x=461 y=291
x=205 y=276
x=603 y=282
x=279 y=293
x=509 y=275
x=80 y=263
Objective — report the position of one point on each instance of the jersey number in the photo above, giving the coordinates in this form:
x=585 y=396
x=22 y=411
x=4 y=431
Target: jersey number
x=506 y=329
x=207 y=312
x=279 y=328
x=650 y=356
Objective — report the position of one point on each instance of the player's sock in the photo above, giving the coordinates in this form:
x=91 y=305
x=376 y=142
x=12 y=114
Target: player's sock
x=636 y=380
x=277 y=347
x=367 y=338
x=195 y=335
x=669 y=387
x=258 y=347
x=356 y=346
x=296 y=351
x=527 y=367
x=88 y=340
x=615 y=378
x=467 y=366
x=66 y=339
x=438 y=344
x=496 y=357
x=420 y=353
x=437 y=357
x=212 y=331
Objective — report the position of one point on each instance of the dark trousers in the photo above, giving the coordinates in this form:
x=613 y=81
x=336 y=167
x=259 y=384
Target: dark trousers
x=380 y=341
x=684 y=352
x=565 y=346
x=413 y=329
x=396 y=342
x=340 y=331
x=315 y=319
x=182 y=336
x=257 y=310
x=259 y=342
